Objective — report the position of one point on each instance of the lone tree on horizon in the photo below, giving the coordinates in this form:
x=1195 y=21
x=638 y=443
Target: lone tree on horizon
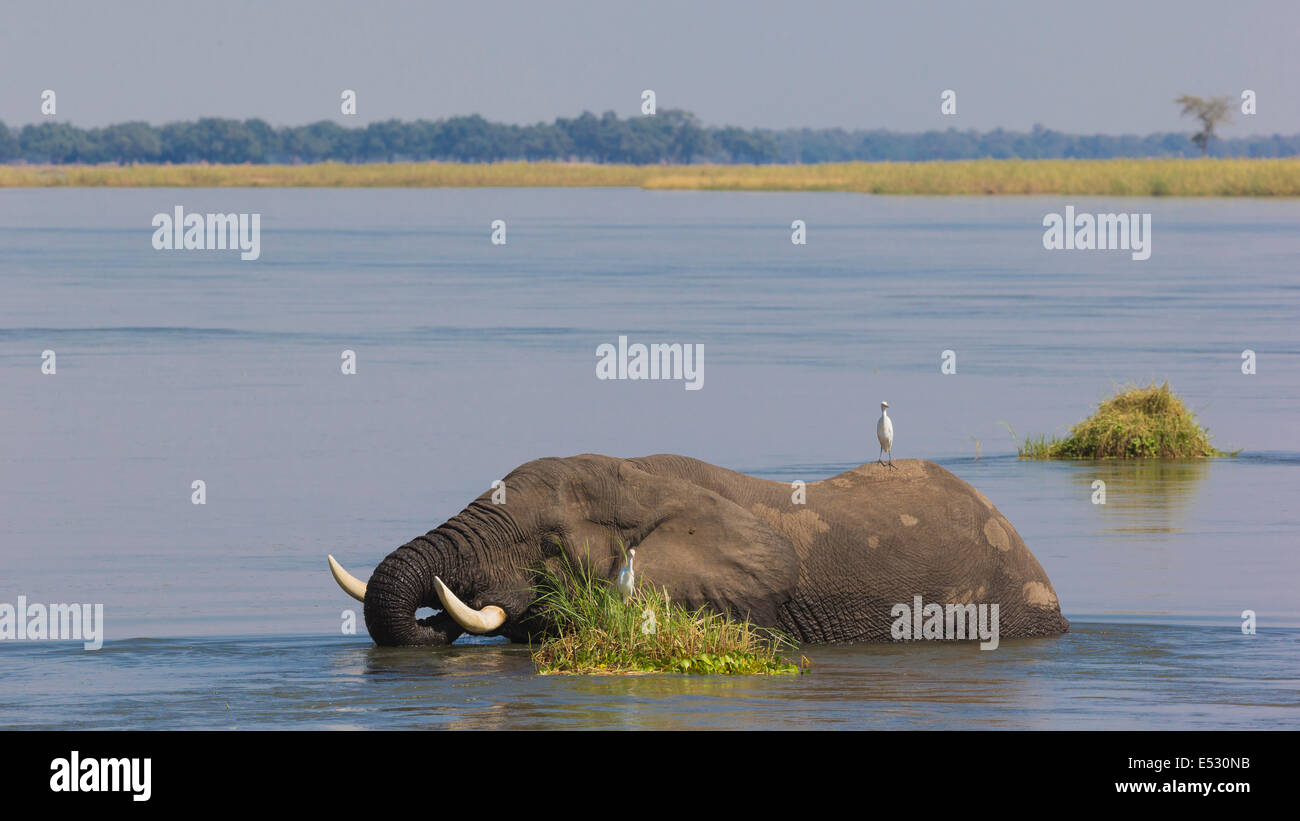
x=1210 y=112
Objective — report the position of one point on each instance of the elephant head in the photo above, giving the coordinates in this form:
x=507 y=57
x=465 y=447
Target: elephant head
x=480 y=567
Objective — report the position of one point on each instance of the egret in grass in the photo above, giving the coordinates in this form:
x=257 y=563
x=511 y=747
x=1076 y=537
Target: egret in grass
x=885 y=434
x=626 y=580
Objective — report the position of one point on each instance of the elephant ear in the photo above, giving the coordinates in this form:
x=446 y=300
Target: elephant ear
x=707 y=549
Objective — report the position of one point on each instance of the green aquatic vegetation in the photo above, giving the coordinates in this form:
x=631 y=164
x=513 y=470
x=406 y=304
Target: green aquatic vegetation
x=1136 y=423
x=592 y=630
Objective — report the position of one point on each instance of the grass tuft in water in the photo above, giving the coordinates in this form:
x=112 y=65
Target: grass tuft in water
x=1136 y=423
x=593 y=631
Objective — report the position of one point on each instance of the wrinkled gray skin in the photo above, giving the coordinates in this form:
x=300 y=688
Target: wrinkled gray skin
x=829 y=570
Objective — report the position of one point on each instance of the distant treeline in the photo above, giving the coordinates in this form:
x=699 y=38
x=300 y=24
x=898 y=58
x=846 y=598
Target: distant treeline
x=667 y=137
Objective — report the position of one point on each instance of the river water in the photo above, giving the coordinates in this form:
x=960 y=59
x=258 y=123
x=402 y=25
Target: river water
x=176 y=366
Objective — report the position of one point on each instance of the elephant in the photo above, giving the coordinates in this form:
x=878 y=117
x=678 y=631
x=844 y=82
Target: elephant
x=826 y=568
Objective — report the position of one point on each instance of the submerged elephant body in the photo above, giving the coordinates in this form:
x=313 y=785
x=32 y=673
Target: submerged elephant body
x=831 y=569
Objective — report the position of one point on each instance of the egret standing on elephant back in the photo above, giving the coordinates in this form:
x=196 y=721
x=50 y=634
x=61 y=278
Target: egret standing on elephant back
x=885 y=434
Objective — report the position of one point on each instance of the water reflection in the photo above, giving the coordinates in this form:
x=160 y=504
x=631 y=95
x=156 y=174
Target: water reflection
x=1095 y=676
x=1143 y=496
x=455 y=659
x=495 y=687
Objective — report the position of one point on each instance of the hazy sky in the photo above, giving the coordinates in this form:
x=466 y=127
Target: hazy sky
x=1109 y=66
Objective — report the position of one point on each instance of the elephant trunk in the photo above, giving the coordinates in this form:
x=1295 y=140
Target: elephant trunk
x=412 y=576
x=402 y=584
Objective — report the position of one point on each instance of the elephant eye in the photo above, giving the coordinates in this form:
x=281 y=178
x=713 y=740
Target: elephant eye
x=551 y=546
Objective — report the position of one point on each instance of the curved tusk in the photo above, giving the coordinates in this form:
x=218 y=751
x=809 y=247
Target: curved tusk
x=351 y=585
x=473 y=621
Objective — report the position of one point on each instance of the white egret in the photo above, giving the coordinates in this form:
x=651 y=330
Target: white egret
x=626 y=581
x=885 y=434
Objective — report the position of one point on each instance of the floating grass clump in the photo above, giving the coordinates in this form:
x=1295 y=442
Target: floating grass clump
x=1136 y=423
x=593 y=631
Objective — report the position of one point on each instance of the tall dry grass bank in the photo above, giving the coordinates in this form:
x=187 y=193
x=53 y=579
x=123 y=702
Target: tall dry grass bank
x=1144 y=177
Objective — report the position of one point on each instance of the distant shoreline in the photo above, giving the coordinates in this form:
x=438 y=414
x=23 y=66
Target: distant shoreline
x=1218 y=177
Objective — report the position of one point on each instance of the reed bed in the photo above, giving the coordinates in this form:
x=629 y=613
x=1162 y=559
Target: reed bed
x=1120 y=177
